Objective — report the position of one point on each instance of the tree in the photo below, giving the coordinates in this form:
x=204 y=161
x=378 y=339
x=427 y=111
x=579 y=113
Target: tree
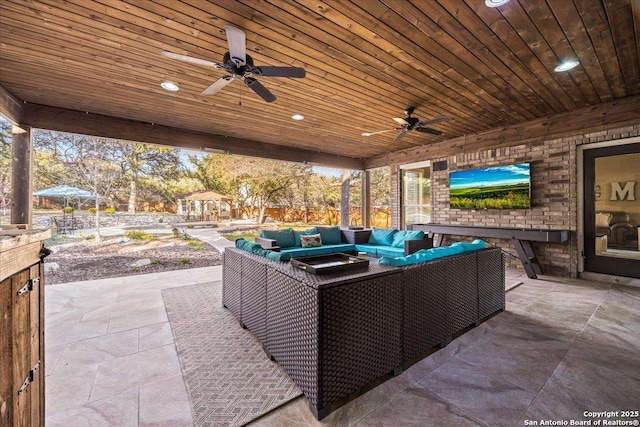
x=96 y=168
x=214 y=171
x=264 y=180
x=145 y=161
x=252 y=182
x=380 y=183
x=5 y=163
x=92 y=163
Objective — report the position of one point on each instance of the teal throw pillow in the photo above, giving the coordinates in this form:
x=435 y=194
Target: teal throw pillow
x=240 y=242
x=424 y=255
x=330 y=235
x=284 y=237
x=473 y=246
x=307 y=232
x=394 y=261
x=402 y=235
x=382 y=236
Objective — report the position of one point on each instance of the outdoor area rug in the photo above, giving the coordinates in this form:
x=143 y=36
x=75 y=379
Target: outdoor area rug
x=229 y=378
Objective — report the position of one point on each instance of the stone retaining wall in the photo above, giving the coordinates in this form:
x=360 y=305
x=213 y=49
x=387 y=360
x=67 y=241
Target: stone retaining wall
x=115 y=220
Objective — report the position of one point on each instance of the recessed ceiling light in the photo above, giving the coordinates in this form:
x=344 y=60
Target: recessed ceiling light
x=170 y=86
x=297 y=116
x=566 y=66
x=495 y=3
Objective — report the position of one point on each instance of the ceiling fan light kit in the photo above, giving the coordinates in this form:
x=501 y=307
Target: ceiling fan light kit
x=240 y=66
x=409 y=123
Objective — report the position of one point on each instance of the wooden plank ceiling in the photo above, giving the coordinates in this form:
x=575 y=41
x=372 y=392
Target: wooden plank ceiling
x=365 y=62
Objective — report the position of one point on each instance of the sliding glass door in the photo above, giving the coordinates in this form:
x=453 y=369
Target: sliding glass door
x=612 y=210
x=416 y=194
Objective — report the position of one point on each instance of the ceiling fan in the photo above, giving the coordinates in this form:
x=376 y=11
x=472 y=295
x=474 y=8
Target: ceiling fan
x=409 y=124
x=240 y=66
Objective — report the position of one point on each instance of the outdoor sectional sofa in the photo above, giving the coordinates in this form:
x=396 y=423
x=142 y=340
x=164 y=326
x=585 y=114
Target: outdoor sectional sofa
x=376 y=242
x=335 y=333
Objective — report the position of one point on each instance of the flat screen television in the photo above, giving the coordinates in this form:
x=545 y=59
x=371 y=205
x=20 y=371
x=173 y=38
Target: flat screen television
x=495 y=187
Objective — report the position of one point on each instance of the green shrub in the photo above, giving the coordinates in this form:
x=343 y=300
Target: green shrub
x=68 y=210
x=139 y=235
x=156 y=261
x=195 y=245
x=184 y=260
x=161 y=220
x=110 y=211
x=248 y=236
x=92 y=211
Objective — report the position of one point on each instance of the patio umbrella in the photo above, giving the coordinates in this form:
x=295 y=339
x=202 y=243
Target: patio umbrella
x=66 y=191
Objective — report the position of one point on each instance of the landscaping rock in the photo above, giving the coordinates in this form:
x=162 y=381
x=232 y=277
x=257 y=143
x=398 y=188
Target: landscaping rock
x=141 y=262
x=50 y=267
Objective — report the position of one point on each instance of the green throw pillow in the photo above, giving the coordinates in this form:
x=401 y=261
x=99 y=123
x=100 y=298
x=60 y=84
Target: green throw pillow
x=284 y=238
x=382 y=236
x=330 y=235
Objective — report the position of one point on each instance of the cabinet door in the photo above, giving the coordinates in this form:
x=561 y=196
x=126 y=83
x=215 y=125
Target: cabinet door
x=20 y=344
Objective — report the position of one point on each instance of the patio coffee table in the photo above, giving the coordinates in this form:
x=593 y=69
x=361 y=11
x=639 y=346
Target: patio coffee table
x=329 y=263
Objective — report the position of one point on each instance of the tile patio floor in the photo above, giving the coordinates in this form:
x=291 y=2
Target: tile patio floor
x=562 y=347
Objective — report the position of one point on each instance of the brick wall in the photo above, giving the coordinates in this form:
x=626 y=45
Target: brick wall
x=554 y=204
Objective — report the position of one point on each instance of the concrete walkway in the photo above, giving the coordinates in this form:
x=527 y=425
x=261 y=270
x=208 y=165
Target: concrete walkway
x=209 y=235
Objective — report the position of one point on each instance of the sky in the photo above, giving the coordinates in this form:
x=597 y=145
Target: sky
x=498 y=175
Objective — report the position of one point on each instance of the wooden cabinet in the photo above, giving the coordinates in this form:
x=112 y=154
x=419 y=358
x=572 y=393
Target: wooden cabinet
x=21 y=335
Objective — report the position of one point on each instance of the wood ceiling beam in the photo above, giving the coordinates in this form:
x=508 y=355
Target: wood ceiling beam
x=64 y=120
x=608 y=115
x=10 y=106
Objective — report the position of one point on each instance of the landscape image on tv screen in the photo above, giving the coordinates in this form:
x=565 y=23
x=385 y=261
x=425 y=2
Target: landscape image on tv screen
x=496 y=187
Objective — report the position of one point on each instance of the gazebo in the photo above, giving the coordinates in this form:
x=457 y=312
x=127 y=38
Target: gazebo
x=206 y=205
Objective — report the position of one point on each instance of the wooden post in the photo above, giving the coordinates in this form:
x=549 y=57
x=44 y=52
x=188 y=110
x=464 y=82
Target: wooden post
x=366 y=198
x=21 y=168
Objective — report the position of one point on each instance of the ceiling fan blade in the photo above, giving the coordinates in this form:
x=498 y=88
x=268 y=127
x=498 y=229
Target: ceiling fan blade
x=376 y=133
x=190 y=59
x=433 y=121
x=401 y=121
x=428 y=130
x=217 y=85
x=268 y=71
x=401 y=135
x=237 y=44
x=262 y=91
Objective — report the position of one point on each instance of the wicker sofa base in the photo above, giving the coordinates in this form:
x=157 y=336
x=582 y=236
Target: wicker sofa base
x=337 y=333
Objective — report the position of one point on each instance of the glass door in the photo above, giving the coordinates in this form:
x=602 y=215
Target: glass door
x=612 y=210
x=416 y=195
